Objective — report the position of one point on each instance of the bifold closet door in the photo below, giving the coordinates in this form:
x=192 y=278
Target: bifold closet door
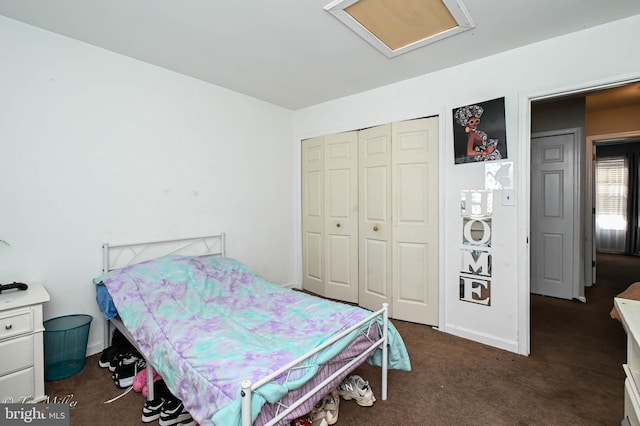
x=374 y=152
x=341 y=216
x=313 y=215
x=415 y=202
x=370 y=218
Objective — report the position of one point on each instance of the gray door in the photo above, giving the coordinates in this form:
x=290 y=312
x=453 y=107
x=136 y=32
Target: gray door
x=554 y=196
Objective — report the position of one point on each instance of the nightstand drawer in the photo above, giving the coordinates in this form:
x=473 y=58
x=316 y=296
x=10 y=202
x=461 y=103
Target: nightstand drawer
x=21 y=344
x=16 y=354
x=16 y=322
x=17 y=387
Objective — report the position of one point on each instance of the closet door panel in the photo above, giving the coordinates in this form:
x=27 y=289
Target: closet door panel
x=375 y=198
x=339 y=271
x=375 y=269
x=375 y=217
x=410 y=249
x=313 y=248
x=415 y=220
x=411 y=270
x=412 y=208
x=313 y=215
x=341 y=216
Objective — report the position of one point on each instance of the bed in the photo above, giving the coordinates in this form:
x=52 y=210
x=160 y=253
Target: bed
x=236 y=349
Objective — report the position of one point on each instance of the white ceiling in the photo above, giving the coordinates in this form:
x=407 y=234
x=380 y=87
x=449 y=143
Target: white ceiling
x=292 y=53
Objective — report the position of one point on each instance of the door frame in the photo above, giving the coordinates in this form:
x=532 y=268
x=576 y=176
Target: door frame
x=524 y=188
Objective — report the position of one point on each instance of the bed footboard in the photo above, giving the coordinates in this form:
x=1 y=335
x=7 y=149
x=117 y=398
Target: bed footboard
x=249 y=388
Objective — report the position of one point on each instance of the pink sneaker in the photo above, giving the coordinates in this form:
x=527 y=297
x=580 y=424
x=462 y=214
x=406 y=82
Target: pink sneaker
x=140 y=381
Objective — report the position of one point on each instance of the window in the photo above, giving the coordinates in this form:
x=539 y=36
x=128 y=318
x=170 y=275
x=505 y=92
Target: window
x=612 y=187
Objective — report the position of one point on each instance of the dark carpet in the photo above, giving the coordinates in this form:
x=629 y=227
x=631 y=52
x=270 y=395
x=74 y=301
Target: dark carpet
x=574 y=375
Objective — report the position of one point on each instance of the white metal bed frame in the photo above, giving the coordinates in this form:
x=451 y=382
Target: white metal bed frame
x=120 y=255
x=248 y=388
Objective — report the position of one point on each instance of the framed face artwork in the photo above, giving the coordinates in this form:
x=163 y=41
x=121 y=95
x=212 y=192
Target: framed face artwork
x=479 y=132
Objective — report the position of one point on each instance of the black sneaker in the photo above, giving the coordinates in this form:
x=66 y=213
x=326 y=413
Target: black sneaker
x=151 y=410
x=124 y=358
x=119 y=344
x=117 y=358
x=173 y=412
x=125 y=373
x=107 y=356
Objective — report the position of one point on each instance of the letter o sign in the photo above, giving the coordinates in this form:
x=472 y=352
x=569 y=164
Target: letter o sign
x=470 y=233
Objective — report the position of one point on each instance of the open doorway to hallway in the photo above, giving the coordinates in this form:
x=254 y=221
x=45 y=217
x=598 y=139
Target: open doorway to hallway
x=596 y=113
x=596 y=117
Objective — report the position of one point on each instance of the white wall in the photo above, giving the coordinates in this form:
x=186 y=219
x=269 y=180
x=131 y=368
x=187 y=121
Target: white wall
x=98 y=147
x=574 y=61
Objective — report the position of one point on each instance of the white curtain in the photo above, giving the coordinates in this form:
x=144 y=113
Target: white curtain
x=612 y=188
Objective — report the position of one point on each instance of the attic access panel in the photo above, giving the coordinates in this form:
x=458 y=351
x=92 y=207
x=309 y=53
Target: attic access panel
x=395 y=27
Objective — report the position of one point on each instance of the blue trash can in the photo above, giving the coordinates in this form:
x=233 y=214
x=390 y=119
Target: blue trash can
x=65 y=345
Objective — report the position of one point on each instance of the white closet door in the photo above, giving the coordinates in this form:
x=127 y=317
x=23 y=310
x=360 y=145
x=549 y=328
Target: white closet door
x=313 y=215
x=375 y=217
x=341 y=216
x=415 y=220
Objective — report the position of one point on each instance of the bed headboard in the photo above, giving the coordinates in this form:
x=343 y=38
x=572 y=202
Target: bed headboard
x=116 y=256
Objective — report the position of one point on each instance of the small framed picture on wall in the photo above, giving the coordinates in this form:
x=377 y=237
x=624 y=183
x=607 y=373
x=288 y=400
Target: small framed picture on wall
x=479 y=132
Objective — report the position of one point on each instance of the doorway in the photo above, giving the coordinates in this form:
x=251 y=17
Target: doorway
x=596 y=103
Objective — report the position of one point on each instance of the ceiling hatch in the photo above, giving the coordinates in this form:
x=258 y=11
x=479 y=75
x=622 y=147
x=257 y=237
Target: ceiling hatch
x=395 y=27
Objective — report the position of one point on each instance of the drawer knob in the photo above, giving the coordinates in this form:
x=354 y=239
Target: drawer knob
x=8 y=326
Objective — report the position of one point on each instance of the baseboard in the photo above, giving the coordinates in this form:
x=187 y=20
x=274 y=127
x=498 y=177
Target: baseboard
x=486 y=339
x=94 y=348
x=290 y=285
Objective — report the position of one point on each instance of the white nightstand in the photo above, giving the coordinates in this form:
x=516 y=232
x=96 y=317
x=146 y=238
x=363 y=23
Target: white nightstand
x=21 y=348
x=629 y=311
